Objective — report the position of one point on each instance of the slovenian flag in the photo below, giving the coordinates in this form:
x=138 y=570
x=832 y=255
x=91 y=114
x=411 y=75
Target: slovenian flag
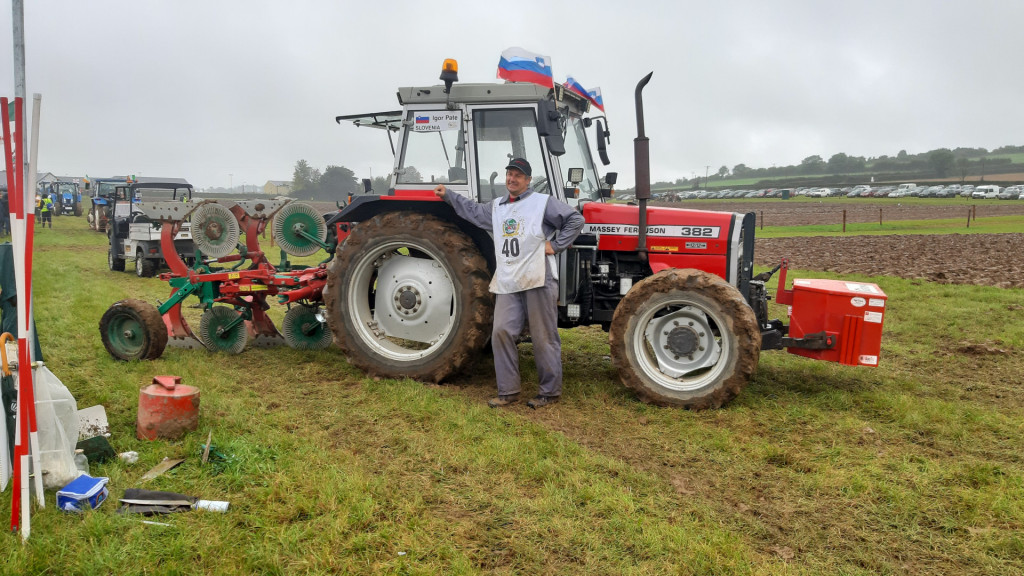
x=593 y=95
x=518 y=65
x=423 y=119
x=576 y=87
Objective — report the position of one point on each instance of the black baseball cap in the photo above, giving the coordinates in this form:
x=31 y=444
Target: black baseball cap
x=522 y=165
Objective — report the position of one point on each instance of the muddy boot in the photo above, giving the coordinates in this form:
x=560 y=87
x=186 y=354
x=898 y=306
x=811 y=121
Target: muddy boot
x=503 y=400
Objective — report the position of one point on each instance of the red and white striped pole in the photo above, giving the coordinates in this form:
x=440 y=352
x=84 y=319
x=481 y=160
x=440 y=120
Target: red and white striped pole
x=30 y=325
x=22 y=224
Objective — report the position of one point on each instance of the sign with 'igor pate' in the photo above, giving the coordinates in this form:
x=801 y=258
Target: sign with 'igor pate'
x=436 y=120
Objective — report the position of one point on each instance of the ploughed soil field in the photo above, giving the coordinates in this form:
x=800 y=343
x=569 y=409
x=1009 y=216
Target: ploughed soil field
x=783 y=213
x=981 y=259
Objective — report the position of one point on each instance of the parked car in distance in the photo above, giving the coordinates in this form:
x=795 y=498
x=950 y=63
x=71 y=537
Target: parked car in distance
x=986 y=191
x=967 y=190
x=1009 y=193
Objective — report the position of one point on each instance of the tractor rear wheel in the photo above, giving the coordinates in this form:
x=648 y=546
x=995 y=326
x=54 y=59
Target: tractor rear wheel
x=407 y=296
x=133 y=330
x=685 y=338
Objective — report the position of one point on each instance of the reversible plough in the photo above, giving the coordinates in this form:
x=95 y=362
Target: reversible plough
x=233 y=281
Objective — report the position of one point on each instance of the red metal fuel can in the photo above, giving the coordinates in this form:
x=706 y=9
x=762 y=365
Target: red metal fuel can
x=167 y=409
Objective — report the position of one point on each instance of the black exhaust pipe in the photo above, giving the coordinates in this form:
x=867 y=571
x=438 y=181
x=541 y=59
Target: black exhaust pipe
x=642 y=165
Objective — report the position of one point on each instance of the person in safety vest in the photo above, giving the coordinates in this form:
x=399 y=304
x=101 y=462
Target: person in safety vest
x=529 y=228
x=46 y=211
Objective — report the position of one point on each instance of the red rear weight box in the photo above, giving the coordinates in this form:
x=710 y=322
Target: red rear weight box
x=852 y=311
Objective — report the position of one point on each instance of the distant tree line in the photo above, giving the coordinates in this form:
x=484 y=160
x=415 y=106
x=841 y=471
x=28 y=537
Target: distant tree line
x=938 y=163
x=334 y=184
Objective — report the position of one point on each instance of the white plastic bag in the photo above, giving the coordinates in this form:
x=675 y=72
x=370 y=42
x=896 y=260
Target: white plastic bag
x=57 y=420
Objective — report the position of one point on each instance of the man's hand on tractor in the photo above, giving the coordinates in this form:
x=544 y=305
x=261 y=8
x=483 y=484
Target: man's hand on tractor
x=440 y=191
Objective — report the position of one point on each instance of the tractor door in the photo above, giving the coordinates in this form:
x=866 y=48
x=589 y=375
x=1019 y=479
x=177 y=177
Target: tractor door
x=499 y=134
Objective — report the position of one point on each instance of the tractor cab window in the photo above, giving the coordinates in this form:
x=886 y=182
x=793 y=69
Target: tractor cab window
x=104 y=188
x=502 y=135
x=435 y=150
x=577 y=155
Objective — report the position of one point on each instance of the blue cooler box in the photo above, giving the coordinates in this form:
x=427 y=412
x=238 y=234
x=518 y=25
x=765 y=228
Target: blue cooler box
x=82 y=493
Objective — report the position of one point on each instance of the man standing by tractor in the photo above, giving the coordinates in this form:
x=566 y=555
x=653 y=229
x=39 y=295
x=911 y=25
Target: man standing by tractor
x=528 y=229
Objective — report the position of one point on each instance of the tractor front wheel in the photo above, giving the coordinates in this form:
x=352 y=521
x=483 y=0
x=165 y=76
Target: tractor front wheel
x=685 y=338
x=133 y=330
x=407 y=296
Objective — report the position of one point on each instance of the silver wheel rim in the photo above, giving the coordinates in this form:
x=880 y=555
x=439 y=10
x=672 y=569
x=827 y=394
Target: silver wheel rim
x=412 y=313
x=679 y=345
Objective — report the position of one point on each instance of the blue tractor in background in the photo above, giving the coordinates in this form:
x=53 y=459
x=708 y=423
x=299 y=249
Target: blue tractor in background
x=102 y=194
x=66 y=196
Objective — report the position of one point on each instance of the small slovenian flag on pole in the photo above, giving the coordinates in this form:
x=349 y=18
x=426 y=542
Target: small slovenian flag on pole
x=518 y=65
x=593 y=95
x=576 y=87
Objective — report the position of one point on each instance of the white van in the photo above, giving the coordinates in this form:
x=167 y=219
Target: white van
x=986 y=191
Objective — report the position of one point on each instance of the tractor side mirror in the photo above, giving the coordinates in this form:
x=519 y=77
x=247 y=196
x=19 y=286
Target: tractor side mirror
x=602 y=148
x=609 y=188
x=548 y=127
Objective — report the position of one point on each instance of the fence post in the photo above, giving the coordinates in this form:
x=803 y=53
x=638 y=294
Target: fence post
x=968 y=218
x=844 y=221
x=879 y=216
x=762 y=219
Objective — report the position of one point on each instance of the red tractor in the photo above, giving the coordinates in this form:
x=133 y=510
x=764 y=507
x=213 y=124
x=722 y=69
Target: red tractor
x=407 y=292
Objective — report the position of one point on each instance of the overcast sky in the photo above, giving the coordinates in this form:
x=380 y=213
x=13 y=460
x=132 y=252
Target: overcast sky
x=226 y=92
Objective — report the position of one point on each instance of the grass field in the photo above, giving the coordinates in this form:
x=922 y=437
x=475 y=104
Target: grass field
x=914 y=467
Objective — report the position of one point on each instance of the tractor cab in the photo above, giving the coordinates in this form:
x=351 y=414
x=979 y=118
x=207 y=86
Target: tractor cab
x=463 y=136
